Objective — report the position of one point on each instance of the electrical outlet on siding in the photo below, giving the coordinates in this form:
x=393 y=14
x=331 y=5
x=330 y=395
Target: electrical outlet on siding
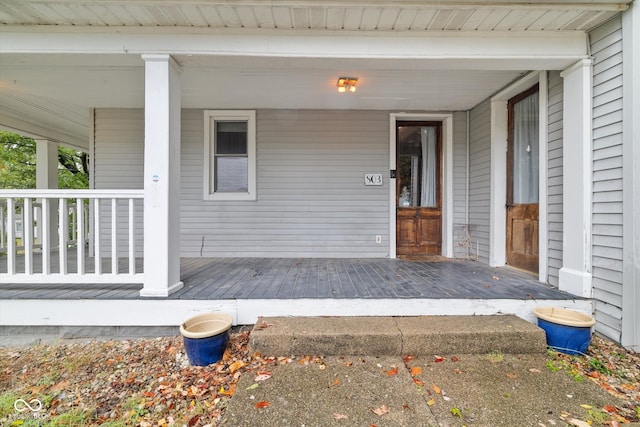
x=378 y=239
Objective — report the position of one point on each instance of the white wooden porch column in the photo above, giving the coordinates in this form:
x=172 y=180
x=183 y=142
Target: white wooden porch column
x=575 y=274
x=161 y=176
x=631 y=179
x=47 y=178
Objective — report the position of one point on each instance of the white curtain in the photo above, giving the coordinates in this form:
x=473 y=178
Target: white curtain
x=428 y=190
x=525 y=150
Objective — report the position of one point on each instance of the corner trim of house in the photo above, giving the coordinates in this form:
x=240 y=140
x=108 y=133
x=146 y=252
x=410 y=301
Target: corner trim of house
x=447 y=177
x=630 y=337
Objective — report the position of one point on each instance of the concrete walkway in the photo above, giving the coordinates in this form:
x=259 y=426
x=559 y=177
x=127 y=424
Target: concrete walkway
x=422 y=371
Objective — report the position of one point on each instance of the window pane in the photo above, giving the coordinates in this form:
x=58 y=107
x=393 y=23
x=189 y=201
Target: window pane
x=525 y=150
x=231 y=174
x=417 y=166
x=231 y=137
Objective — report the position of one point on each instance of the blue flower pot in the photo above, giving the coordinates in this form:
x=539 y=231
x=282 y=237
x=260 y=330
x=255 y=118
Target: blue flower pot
x=205 y=337
x=567 y=331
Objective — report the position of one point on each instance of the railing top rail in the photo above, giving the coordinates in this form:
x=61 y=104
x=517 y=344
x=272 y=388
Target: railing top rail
x=74 y=194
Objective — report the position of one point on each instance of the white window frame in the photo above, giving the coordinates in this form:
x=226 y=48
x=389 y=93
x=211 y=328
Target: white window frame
x=210 y=117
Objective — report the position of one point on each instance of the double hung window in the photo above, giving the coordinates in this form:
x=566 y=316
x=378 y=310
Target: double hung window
x=230 y=155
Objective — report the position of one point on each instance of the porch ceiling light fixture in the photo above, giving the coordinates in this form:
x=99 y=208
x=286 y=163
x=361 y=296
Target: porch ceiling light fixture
x=347 y=84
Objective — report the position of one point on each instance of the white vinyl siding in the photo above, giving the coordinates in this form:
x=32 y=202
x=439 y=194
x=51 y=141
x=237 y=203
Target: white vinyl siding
x=479 y=175
x=460 y=182
x=312 y=201
x=118 y=165
x=606 y=47
x=554 y=178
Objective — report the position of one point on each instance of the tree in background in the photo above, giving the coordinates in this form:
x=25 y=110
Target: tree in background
x=18 y=164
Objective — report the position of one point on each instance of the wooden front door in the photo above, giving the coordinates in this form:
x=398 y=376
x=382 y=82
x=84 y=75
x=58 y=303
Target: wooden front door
x=418 y=192
x=522 y=181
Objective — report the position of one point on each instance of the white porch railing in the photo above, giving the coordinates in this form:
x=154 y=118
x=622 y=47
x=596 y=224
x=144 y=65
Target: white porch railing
x=70 y=236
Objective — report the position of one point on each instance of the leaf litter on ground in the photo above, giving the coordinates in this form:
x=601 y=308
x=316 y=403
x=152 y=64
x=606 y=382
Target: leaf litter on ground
x=125 y=383
x=149 y=382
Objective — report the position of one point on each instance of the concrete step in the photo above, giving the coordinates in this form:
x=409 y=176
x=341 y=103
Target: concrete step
x=396 y=336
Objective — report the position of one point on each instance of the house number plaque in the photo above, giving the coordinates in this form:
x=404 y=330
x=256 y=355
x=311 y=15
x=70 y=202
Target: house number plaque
x=372 y=179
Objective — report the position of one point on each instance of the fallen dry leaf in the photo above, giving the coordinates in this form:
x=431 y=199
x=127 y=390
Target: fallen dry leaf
x=512 y=375
x=393 y=371
x=431 y=401
x=437 y=389
x=416 y=370
x=381 y=410
x=578 y=423
x=262 y=404
x=236 y=366
x=536 y=370
x=262 y=376
x=337 y=416
x=336 y=381
x=438 y=359
x=408 y=358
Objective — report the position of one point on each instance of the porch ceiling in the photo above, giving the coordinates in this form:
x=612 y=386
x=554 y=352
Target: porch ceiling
x=59 y=58
x=454 y=15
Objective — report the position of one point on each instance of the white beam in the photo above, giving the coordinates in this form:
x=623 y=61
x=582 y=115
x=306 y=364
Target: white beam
x=631 y=180
x=575 y=274
x=161 y=176
x=495 y=45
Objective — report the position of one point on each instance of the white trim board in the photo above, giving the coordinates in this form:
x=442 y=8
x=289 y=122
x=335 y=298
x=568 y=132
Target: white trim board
x=447 y=177
x=144 y=312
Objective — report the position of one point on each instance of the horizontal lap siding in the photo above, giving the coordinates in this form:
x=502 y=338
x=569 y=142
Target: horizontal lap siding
x=118 y=165
x=460 y=180
x=479 y=175
x=554 y=178
x=606 y=46
x=312 y=201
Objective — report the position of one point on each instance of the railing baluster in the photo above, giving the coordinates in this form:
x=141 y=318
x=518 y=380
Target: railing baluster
x=11 y=236
x=80 y=235
x=63 y=234
x=96 y=237
x=45 y=226
x=114 y=236
x=27 y=234
x=132 y=237
x=62 y=218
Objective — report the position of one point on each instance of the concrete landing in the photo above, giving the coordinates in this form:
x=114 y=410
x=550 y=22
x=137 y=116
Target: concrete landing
x=396 y=336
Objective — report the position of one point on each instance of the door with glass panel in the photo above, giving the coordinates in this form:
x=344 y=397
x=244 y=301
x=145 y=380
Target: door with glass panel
x=522 y=181
x=418 y=198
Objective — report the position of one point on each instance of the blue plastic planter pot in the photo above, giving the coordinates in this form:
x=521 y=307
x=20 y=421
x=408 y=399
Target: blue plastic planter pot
x=567 y=331
x=205 y=337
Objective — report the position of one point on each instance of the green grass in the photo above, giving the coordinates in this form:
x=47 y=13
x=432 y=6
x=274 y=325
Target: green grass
x=495 y=356
x=600 y=367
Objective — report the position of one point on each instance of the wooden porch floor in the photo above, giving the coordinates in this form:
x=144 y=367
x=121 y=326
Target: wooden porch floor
x=317 y=278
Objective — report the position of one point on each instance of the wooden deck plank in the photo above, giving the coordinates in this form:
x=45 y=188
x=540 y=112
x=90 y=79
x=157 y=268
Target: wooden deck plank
x=283 y=278
x=346 y=284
